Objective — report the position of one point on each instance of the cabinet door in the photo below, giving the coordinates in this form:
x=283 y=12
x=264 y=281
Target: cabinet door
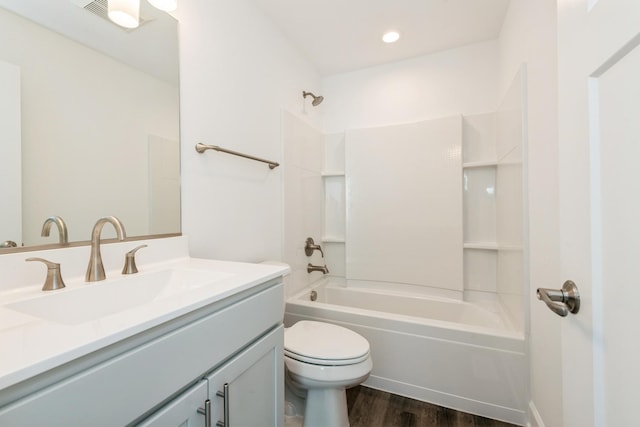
x=250 y=387
x=182 y=411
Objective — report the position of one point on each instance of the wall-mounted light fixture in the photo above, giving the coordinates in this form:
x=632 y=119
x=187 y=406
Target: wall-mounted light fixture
x=125 y=13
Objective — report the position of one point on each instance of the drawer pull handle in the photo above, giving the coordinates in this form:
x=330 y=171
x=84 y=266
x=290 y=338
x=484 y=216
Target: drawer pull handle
x=224 y=394
x=206 y=411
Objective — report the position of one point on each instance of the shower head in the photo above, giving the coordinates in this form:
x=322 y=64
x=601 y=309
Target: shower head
x=317 y=100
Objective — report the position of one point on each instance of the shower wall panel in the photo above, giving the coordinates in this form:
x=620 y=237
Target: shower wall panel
x=303 y=202
x=404 y=204
x=510 y=200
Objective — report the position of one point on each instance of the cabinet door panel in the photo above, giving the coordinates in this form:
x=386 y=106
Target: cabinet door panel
x=182 y=411
x=255 y=380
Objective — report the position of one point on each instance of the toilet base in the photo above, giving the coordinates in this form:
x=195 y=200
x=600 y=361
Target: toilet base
x=326 y=407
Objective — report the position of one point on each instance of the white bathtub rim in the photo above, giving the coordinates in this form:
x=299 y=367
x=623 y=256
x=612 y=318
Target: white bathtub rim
x=411 y=325
x=486 y=300
x=400 y=289
x=302 y=299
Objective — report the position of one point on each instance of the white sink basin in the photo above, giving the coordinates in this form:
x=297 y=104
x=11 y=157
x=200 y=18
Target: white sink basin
x=93 y=301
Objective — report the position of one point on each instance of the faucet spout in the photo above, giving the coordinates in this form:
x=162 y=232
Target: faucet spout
x=63 y=236
x=322 y=268
x=95 y=270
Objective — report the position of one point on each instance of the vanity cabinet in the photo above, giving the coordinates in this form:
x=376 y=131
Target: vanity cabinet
x=245 y=391
x=159 y=376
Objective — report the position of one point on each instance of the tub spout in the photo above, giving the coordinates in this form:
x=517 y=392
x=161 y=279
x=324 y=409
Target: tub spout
x=322 y=268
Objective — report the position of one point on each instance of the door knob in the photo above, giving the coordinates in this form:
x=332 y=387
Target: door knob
x=563 y=301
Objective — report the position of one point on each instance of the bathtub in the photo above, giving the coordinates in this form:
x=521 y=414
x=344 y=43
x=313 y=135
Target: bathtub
x=458 y=354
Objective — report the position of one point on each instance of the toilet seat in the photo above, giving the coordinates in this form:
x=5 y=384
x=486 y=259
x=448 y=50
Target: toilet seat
x=324 y=344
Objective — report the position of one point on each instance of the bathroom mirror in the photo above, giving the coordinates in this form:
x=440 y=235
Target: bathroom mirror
x=91 y=126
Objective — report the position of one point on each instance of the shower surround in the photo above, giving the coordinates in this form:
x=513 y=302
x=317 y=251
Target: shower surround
x=471 y=253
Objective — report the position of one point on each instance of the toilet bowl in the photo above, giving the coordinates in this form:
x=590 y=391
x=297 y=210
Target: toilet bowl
x=323 y=360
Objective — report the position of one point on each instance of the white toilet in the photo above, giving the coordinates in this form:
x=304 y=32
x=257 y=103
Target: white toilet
x=322 y=361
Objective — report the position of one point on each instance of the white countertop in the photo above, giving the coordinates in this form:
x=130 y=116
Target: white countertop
x=31 y=345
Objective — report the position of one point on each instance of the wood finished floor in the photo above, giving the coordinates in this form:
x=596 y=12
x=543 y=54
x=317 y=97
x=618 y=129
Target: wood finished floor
x=374 y=408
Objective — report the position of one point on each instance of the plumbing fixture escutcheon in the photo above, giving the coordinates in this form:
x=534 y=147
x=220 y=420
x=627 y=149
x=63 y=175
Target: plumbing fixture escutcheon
x=53 y=280
x=322 y=268
x=62 y=229
x=310 y=246
x=568 y=298
x=130 y=261
x=95 y=270
x=8 y=244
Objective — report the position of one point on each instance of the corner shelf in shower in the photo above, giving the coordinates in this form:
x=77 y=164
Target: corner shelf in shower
x=332 y=239
x=470 y=165
x=334 y=206
x=490 y=246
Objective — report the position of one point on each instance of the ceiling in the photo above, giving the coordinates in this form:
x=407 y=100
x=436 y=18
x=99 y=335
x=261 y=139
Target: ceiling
x=345 y=35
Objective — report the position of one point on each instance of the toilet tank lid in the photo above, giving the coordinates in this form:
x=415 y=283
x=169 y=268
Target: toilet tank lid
x=320 y=340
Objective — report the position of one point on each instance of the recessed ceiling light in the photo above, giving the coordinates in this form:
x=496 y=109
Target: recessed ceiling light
x=390 y=37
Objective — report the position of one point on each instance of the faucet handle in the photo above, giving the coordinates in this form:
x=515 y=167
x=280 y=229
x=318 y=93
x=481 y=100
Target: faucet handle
x=130 y=261
x=54 y=278
x=310 y=246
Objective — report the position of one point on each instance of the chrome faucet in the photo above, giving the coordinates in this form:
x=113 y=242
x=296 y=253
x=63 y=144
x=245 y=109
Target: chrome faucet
x=322 y=268
x=95 y=271
x=62 y=228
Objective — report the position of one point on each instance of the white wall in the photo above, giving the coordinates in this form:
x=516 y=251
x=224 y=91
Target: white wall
x=237 y=74
x=88 y=115
x=10 y=153
x=457 y=81
x=529 y=35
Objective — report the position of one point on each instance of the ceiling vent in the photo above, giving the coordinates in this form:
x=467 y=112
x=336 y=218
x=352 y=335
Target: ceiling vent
x=100 y=9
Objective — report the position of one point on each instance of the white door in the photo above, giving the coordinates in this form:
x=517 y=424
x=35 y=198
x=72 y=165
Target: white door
x=599 y=139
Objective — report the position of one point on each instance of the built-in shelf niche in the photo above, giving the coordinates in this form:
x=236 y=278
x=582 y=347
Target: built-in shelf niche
x=479 y=169
x=334 y=228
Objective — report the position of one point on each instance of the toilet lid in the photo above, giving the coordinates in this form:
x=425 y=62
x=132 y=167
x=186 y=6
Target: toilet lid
x=324 y=344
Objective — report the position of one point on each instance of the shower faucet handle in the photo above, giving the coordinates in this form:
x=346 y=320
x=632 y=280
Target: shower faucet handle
x=310 y=246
